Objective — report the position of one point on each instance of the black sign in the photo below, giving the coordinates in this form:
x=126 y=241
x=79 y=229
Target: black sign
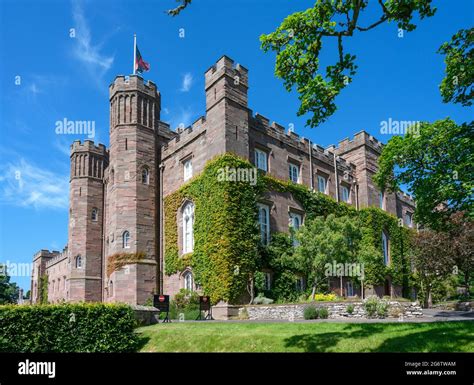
x=162 y=302
x=204 y=303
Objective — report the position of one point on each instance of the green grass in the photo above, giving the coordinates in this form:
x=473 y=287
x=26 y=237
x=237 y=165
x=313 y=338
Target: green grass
x=308 y=337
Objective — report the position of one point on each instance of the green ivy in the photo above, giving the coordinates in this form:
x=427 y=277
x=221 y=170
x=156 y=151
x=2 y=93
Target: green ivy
x=226 y=237
x=227 y=249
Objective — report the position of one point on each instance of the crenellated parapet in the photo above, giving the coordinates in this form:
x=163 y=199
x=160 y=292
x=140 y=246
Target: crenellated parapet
x=406 y=198
x=88 y=160
x=134 y=101
x=291 y=139
x=184 y=136
x=57 y=257
x=361 y=138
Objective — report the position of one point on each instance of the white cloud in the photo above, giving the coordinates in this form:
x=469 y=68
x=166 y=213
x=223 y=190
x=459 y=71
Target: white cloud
x=85 y=51
x=26 y=185
x=187 y=82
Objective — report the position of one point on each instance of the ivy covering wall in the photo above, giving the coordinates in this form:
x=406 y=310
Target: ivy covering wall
x=227 y=250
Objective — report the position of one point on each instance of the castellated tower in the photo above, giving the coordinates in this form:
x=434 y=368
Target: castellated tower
x=132 y=191
x=86 y=215
x=227 y=113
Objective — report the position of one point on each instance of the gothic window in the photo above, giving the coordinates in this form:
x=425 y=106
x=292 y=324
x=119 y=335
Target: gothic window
x=409 y=219
x=385 y=248
x=344 y=194
x=267 y=280
x=95 y=214
x=322 y=183
x=188 y=227
x=264 y=223
x=299 y=283
x=145 y=175
x=295 y=224
x=126 y=240
x=188 y=281
x=78 y=262
x=294 y=172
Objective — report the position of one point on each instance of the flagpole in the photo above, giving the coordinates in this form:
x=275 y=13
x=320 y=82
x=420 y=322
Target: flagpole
x=134 y=52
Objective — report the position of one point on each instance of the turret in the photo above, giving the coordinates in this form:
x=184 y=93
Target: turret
x=86 y=217
x=132 y=190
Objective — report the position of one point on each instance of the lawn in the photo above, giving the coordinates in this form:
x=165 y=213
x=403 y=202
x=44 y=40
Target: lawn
x=208 y=336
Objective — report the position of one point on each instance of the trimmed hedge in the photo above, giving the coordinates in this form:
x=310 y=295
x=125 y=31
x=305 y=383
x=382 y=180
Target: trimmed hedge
x=63 y=328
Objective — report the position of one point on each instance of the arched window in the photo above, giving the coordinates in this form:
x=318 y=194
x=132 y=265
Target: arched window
x=385 y=248
x=145 y=175
x=126 y=240
x=188 y=227
x=78 y=262
x=95 y=214
x=188 y=281
x=264 y=223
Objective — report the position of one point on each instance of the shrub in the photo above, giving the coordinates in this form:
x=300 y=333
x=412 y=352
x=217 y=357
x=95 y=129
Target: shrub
x=325 y=297
x=310 y=312
x=373 y=305
x=67 y=328
x=382 y=309
x=323 y=313
x=350 y=309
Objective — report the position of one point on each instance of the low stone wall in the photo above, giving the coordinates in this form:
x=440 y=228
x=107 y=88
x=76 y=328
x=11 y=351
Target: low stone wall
x=146 y=315
x=453 y=305
x=336 y=310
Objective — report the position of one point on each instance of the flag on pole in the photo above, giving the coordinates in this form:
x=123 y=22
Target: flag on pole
x=140 y=64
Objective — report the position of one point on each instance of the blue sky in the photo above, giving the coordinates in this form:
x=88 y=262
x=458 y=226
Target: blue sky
x=62 y=77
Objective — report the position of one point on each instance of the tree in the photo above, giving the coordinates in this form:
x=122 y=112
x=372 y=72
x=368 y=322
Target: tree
x=432 y=259
x=324 y=240
x=298 y=42
x=457 y=86
x=8 y=290
x=436 y=163
x=461 y=236
x=177 y=10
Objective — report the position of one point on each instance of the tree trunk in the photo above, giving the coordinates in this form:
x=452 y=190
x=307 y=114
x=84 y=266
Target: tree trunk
x=250 y=289
x=313 y=292
x=428 y=302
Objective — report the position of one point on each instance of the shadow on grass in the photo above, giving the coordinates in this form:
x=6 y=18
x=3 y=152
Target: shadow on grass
x=418 y=338
x=142 y=340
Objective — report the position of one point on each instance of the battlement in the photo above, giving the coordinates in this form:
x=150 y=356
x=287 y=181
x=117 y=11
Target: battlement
x=225 y=66
x=123 y=83
x=89 y=146
x=291 y=138
x=361 y=138
x=183 y=135
x=406 y=198
x=45 y=253
x=57 y=257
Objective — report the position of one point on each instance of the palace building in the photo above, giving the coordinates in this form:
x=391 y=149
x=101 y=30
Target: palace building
x=116 y=193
